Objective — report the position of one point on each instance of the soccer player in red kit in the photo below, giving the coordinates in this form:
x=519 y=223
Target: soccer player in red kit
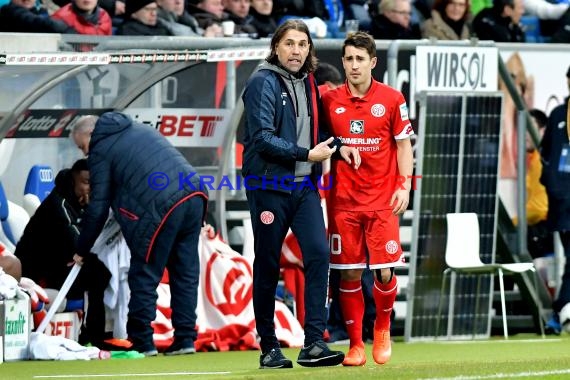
x=365 y=203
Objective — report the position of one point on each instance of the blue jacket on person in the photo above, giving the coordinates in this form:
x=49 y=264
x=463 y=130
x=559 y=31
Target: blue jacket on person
x=270 y=141
x=140 y=175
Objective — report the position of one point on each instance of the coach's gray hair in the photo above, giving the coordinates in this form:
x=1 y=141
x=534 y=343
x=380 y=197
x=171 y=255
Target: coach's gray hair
x=85 y=124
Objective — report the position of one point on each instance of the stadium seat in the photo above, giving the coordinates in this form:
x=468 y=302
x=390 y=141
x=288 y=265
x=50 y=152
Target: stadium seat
x=6 y=236
x=39 y=184
x=336 y=18
x=531 y=27
x=13 y=220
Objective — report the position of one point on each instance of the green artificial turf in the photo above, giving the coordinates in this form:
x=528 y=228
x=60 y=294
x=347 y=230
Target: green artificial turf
x=519 y=357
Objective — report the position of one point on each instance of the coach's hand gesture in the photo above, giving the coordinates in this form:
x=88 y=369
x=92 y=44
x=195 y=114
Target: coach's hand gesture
x=322 y=151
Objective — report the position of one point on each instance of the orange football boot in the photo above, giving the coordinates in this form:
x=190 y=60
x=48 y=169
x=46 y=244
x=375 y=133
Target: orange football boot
x=382 y=346
x=356 y=356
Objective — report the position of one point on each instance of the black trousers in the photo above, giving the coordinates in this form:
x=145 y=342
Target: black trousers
x=175 y=248
x=93 y=278
x=301 y=211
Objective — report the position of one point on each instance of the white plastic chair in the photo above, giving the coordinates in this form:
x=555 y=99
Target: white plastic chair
x=462 y=256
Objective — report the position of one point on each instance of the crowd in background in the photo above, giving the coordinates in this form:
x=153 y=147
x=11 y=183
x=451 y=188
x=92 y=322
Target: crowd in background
x=497 y=20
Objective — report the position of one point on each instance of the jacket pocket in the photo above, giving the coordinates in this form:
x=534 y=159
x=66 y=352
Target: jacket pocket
x=127 y=214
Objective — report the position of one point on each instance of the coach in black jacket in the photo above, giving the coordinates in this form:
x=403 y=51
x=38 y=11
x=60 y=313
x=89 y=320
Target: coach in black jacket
x=135 y=170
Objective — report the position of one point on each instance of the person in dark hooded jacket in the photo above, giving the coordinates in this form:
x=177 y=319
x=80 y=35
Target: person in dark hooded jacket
x=501 y=22
x=263 y=20
x=141 y=20
x=238 y=12
x=22 y=16
x=159 y=203
x=393 y=21
x=47 y=246
x=207 y=12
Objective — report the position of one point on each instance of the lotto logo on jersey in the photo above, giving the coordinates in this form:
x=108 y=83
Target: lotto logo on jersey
x=357 y=127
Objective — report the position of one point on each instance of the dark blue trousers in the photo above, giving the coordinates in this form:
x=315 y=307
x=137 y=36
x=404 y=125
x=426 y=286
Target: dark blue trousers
x=301 y=211
x=175 y=248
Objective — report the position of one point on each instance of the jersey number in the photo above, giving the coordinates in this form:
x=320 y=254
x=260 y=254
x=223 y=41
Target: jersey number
x=335 y=244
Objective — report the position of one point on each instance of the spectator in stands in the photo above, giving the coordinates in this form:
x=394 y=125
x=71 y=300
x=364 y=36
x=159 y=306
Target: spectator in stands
x=115 y=8
x=141 y=20
x=207 y=12
x=552 y=17
x=263 y=20
x=302 y=9
x=22 y=16
x=449 y=21
x=161 y=225
x=238 y=12
x=313 y=12
x=393 y=21
x=185 y=18
x=555 y=152
x=539 y=238
x=562 y=29
x=501 y=23
x=168 y=17
x=359 y=10
x=47 y=246
x=545 y=10
x=85 y=17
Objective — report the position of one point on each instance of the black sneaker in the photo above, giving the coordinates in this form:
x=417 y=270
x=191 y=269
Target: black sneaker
x=181 y=348
x=146 y=350
x=274 y=359
x=318 y=354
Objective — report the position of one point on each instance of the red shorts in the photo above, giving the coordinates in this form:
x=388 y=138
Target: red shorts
x=353 y=234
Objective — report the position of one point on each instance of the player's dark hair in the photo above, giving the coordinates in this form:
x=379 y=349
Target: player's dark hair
x=360 y=40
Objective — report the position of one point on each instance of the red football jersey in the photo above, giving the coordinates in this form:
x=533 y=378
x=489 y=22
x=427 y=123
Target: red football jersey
x=372 y=124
